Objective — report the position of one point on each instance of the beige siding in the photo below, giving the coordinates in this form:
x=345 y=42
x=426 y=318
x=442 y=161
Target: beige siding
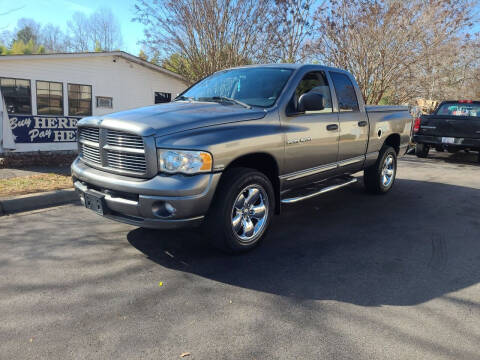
x=130 y=84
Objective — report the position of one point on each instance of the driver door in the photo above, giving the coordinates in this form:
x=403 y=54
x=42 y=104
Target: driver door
x=311 y=148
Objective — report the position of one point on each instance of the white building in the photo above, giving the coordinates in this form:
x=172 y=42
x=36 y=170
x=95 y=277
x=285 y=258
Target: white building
x=46 y=94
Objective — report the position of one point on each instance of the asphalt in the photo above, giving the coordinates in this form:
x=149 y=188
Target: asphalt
x=345 y=276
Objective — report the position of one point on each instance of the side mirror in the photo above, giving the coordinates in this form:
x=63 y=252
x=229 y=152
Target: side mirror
x=311 y=101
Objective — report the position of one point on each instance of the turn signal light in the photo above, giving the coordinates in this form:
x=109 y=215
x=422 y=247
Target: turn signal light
x=416 y=125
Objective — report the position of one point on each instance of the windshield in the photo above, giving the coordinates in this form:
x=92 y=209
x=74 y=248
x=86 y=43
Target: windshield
x=251 y=86
x=459 y=109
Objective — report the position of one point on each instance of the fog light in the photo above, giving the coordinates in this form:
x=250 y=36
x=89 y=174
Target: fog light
x=163 y=209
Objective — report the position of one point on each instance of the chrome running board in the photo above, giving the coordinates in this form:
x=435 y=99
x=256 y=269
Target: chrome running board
x=319 y=192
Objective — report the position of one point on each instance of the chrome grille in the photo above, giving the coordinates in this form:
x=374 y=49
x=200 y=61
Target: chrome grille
x=89 y=134
x=130 y=162
x=121 y=139
x=113 y=150
x=90 y=153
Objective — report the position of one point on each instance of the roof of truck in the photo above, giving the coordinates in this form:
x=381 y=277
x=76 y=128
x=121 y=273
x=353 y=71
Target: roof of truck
x=288 y=66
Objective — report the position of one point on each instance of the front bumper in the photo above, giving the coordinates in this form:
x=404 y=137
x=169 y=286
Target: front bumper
x=463 y=143
x=136 y=201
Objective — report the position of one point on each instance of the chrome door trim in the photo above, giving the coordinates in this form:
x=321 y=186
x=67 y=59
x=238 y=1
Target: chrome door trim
x=351 y=161
x=308 y=172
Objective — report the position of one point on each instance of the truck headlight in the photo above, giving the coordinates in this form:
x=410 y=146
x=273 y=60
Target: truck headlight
x=183 y=161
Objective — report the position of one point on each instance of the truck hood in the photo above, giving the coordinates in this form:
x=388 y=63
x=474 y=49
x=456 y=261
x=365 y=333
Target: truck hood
x=173 y=117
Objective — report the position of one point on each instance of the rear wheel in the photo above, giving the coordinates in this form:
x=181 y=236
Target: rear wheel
x=380 y=177
x=241 y=212
x=421 y=150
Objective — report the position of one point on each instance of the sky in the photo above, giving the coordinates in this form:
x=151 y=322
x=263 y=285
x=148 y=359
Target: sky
x=58 y=12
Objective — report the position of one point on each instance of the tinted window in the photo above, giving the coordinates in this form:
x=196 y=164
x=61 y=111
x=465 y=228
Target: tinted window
x=17 y=95
x=161 y=97
x=314 y=81
x=346 y=96
x=49 y=98
x=79 y=100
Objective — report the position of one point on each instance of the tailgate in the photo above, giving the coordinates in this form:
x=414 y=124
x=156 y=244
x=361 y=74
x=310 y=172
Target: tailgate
x=450 y=126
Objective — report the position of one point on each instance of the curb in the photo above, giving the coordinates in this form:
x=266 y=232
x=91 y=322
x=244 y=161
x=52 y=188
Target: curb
x=36 y=201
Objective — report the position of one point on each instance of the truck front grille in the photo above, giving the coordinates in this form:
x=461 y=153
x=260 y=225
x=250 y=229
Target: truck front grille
x=129 y=162
x=113 y=150
x=90 y=154
x=89 y=134
x=121 y=139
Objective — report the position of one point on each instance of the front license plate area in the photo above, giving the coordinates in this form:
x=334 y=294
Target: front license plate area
x=448 y=140
x=95 y=202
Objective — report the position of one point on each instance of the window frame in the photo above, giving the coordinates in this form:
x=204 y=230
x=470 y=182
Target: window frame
x=91 y=99
x=30 y=94
x=332 y=73
x=63 y=97
x=327 y=81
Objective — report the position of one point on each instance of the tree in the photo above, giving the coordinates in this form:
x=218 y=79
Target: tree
x=142 y=55
x=79 y=30
x=54 y=40
x=105 y=29
x=289 y=27
x=388 y=44
x=208 y=34
x=100 y=28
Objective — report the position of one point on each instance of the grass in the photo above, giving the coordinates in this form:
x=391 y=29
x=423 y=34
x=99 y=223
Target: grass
x=34 y=183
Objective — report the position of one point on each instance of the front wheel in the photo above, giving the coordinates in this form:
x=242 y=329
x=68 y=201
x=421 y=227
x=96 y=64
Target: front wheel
x=242 y=210
x=380 y=177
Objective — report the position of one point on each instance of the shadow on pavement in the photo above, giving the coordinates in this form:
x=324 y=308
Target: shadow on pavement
x=415 y=244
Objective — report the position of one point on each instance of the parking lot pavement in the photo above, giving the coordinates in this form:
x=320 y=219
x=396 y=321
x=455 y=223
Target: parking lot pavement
x=346 y=275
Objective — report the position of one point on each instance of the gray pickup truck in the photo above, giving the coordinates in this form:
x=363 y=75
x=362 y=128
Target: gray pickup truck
x=228 y=152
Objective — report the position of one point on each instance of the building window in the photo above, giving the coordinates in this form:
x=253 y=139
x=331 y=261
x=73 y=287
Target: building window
x=104 y=102
x=17 y=94
x=49 y=98
x=161 y=97
x=79 y=100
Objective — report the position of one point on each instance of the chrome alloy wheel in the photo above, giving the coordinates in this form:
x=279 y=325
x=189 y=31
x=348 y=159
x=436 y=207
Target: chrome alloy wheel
x=388 y=170
x=250 y=213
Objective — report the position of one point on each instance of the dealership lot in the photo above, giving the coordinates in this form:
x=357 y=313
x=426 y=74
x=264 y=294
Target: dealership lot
x=346 y=275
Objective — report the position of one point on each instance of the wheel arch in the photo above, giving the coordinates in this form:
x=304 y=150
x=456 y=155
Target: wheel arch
x=393 y=140
x=264 y=163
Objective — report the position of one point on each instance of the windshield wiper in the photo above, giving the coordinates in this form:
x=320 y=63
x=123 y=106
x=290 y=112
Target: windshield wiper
x=224 y=98
x=182 y=97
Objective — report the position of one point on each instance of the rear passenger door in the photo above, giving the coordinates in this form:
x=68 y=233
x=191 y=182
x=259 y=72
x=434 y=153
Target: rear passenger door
x=354 y=125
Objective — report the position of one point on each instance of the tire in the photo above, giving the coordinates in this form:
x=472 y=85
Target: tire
x=421 y=150
x=380 y=177
x=439 y=149
x=452 y=150
x=230 y=223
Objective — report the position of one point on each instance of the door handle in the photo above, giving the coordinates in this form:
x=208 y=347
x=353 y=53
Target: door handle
x=362 y=123
x=332 y=127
